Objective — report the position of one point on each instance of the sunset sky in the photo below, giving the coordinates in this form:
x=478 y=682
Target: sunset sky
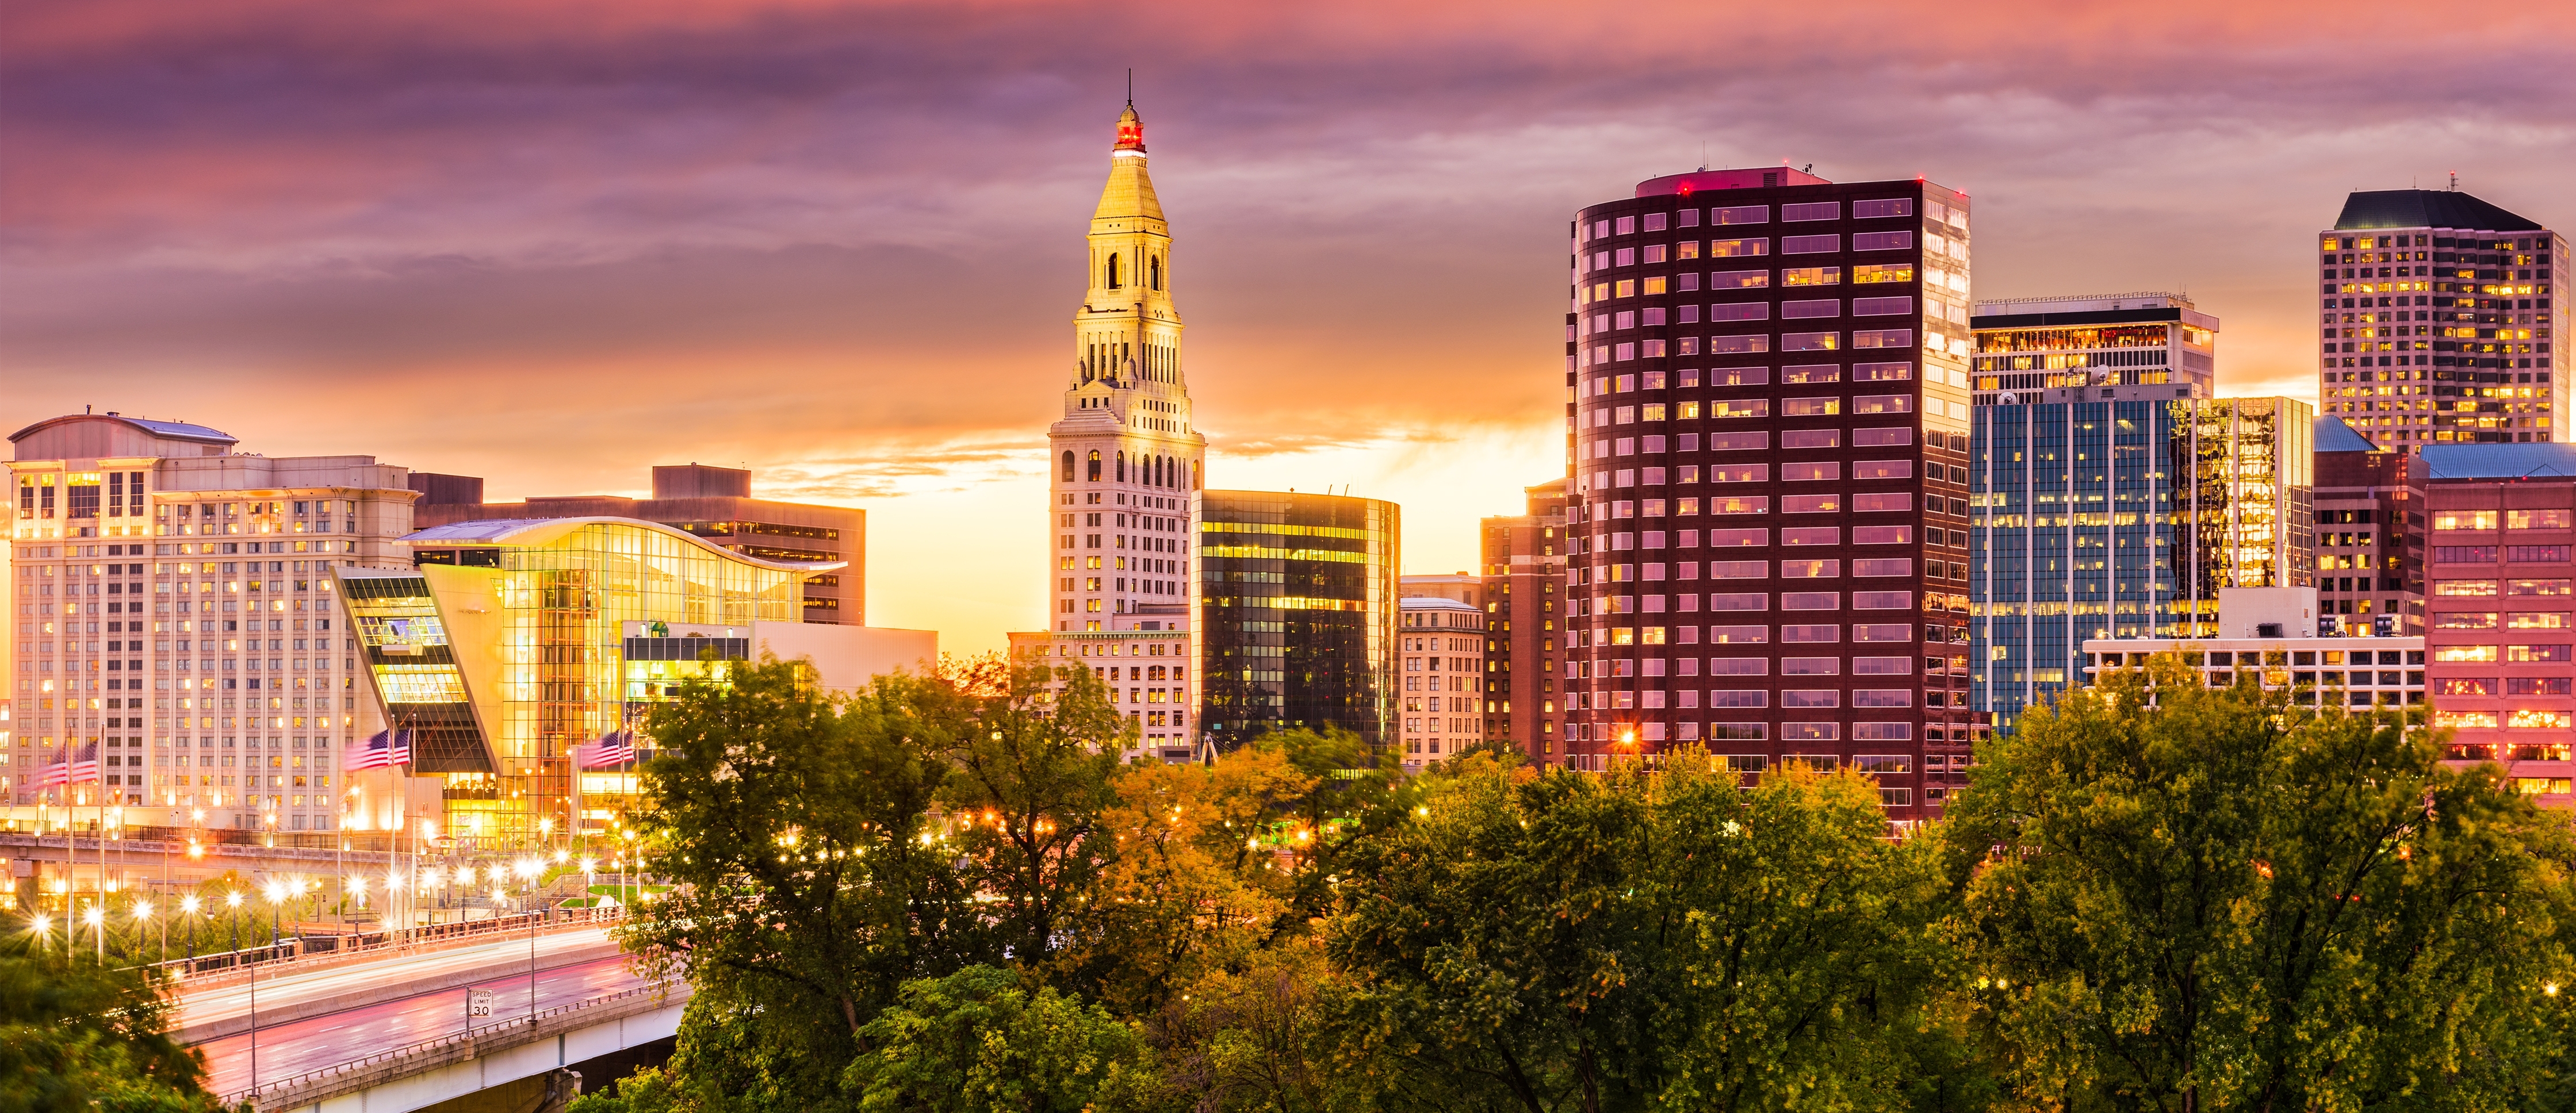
x=554 y=243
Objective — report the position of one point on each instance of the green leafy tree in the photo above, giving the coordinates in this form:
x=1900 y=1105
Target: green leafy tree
x=1198 y=866
x=1634 y=940
x=1352 y=794
x=977 y=1041
x=1032 y=757
x=2186 y=899
x=76 y=1037
x=808 y=886
x=648 y=1090
x=1257 y=1036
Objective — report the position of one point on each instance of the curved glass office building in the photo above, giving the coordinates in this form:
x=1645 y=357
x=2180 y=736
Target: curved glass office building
x=511 y=642
x=1297 y=614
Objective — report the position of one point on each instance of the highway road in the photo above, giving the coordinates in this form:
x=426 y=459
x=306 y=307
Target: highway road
x=198 y=1007
x=329 y=1040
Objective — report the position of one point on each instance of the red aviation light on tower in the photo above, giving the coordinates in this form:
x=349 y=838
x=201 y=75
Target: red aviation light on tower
x=1131 y=132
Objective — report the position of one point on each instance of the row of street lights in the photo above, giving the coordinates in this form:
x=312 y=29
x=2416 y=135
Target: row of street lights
x=625 y=858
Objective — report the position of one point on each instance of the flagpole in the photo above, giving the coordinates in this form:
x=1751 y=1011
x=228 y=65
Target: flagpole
x=411 y=861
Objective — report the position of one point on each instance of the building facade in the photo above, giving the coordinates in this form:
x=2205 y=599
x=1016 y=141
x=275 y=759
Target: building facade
x=2141 y=339
x=1461 y=587
x=2438 y=321
x=2501 y=612
x=510 y=642
x=1441 y=651
x=2123 y=512
x=1126 y=469
x=1524 y=558
x=1768 y=471
x=1298 y=615
x=713 y=503
x=2370 y=533
x=175 y=610
x=2279 y=638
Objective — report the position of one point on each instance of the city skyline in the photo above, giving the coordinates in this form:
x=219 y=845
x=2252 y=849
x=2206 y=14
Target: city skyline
x=637 y=214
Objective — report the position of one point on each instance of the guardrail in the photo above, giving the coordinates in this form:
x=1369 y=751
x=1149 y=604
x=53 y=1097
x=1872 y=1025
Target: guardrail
x=287 y=955
x=340 y=1078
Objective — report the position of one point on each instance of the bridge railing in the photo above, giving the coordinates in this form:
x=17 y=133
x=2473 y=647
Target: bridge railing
x=321 y=1077
x=287 y=953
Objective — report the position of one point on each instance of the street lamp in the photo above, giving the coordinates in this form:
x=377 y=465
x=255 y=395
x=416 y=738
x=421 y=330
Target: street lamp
x=98 y=925
x=188 y=907
x=276 y=905
x=529 y=870
x=41 y=926
x=393 y=895
x=142 y=911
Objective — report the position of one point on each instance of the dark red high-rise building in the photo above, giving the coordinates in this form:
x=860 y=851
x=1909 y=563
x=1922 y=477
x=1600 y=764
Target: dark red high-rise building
x=2370 y=534
x=1769 y=493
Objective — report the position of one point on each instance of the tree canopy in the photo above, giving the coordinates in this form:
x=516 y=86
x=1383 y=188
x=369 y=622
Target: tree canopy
x=944 y=893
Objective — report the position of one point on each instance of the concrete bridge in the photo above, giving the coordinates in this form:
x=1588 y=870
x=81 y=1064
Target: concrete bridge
x=391 y=1032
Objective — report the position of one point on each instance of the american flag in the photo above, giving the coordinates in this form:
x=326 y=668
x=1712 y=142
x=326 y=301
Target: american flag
x=384 y=750
x=71 y=770
x=613 y=748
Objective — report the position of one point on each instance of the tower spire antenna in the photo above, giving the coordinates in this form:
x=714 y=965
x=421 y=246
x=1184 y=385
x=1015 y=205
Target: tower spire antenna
x=1131 y=86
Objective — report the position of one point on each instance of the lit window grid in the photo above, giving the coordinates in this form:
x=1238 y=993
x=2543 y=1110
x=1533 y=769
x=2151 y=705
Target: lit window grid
x=2397 y=400
x=2527 y=733
x=1254 y=634
x=560 y=678
x=356 y=520
x=2291 y=663
x=2080 y=537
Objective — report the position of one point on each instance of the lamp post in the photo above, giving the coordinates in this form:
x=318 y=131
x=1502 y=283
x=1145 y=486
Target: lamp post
x=254 y=1003
x=530 y=870
x=142 y=912
x=98 y=925
x=394 y=895
x=276 y=908
x=188 y=907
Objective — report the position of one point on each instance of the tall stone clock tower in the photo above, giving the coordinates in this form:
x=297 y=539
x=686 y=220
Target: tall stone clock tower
x=1123 y=501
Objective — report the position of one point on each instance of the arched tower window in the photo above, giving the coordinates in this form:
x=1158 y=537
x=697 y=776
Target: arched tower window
x=1095 y=465
x=1122 y=467
x=1113 y=272
x=1068 y=465
x=1156 y=264
x=1158 y=471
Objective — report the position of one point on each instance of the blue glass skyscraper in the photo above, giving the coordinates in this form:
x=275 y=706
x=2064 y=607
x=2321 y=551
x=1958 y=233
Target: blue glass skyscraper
x=2120 y=511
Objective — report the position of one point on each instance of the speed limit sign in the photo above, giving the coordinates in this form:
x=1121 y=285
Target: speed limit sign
x=478 y=1002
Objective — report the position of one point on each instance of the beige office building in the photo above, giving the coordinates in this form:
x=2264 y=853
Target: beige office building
x=174 y=608
x=1441 y=653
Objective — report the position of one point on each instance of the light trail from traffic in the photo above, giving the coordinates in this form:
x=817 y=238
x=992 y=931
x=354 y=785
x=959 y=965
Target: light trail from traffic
x=311 y=1044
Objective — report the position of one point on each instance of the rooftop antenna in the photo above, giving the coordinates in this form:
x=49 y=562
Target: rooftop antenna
x=1703 y=155
x=1131 y=86
x=2455 y=181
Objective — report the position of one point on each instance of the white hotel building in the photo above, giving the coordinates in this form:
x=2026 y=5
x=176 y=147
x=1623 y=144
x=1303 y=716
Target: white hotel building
x=173 y=606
